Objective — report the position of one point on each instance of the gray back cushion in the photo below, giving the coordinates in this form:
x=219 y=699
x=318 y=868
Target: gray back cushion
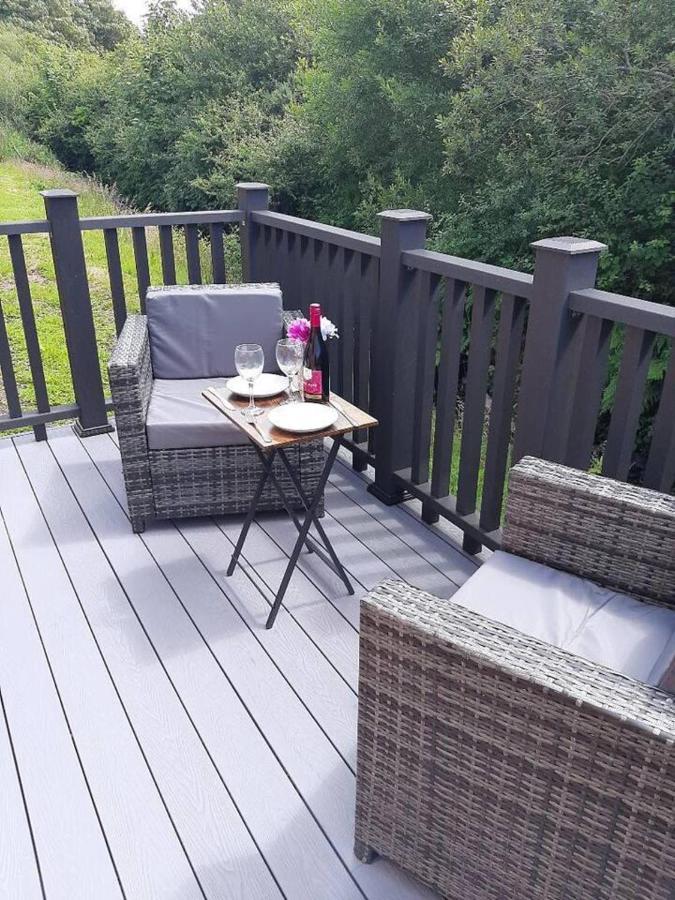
x=194 y=329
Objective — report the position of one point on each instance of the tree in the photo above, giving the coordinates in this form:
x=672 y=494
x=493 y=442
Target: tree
x=77 y=23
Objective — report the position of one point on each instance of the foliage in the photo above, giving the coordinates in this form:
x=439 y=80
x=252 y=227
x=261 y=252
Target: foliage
x=508 y=120
x=78 y=23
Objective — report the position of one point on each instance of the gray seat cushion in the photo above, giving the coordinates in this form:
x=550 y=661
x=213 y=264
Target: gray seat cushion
x=628 y=636
x=194 y=329
x=180 y=418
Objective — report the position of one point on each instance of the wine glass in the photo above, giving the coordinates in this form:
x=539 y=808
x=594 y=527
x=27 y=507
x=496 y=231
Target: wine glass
x=249 y=360
x=289 y=359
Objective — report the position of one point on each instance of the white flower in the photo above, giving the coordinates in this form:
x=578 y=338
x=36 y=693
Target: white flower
x=328 y=330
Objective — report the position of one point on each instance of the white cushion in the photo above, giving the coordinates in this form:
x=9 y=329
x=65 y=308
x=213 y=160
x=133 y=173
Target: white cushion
x=180 y=418
x=628 y=636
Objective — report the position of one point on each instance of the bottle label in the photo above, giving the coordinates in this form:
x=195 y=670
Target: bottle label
x=312 y=382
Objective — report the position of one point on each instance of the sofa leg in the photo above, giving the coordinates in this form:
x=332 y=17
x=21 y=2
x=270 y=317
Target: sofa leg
x=138 y=524
x=363 y=852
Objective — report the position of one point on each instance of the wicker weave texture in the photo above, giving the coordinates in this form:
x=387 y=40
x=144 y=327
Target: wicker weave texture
x=495 y=767
x=130 y=376
x=221 y=480
x=616 y=534
x=180 y=483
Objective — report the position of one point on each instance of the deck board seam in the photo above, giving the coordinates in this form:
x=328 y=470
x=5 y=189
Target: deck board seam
x=244 y=560
x=308 y=575
x=254 y=720
x=289 y=612
x=102 y=655
x=249 y=572
x=53 y=676
x=169 y=679
x=227 y=678
x=403 y=509
x=393 y=534
x=21 y=789
x=260 y=644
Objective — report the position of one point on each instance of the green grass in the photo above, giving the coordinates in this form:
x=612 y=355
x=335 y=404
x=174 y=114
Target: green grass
x=25 y=170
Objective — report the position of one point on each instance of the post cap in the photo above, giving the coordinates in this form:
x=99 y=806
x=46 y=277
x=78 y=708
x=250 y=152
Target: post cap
x=252 y=186
x=404 y=215
x=55 y=193
x=569 y=245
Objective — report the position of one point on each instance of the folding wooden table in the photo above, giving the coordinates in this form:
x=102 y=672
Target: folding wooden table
x=271 y=442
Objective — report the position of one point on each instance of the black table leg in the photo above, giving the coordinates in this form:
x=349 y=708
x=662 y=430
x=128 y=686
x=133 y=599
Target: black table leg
x=267 y=460
x=284 y=499
x=310 y=516
x=337 y=565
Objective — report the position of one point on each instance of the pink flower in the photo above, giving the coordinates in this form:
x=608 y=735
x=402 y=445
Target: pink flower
x=299 y=330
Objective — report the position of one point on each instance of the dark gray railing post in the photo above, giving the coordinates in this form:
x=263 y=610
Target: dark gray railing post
x=78 y=319
x=562 y=265
x=394 y=353
x=251 y=197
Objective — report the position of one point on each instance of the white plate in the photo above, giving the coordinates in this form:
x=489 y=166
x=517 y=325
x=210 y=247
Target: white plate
x=301 y=418
x=266 y=385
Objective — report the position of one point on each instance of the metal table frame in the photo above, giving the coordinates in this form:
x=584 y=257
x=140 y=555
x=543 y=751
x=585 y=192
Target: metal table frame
x=310 y=504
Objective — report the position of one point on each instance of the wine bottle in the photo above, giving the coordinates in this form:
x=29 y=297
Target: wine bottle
x=316 y=375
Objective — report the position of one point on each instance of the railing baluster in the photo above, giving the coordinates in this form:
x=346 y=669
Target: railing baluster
x=29 y=330
x=142 y=267
x=218 y=273
x=625 y=416
x=112 y=252
x=279 y=261
x=7 y=371
x=317 y=251
x=194 y=265
x=292 y=269
x=265 y=250
x=352 y=272
x=509 y=341
x=452 y=324
x=167 y=255
x=589 y=384
x=372 y=280
x=482 y=320
x=332 y=307
x=660 y=471
x=424 y=292
x=304 y=272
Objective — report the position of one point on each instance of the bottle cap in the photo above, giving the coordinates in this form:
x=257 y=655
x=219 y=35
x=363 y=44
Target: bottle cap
x=315 y=315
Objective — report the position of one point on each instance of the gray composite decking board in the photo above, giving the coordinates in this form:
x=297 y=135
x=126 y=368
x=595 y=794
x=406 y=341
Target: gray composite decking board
x=365 y=569
x=426 y=541
x=278 y=693
x=321 y=777
x=404 y=562
x=147 y=851
x=220 y=848
x=330 y=700
x=303 y=601
x=328 y=583
x=73 y=856
x=324 y=692
x=19 y=874
x=292 y=843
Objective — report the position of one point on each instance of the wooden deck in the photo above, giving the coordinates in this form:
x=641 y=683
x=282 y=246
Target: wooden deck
x=155 y=740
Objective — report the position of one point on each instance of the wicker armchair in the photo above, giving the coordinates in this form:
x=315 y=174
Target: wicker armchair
x=494 y=766
x=165 y=484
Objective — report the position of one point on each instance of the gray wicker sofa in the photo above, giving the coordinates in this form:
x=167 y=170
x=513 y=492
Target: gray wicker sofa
x=496 y=766
x=180 y=456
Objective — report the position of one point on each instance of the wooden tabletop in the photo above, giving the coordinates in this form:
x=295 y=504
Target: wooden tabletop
x=231 y=405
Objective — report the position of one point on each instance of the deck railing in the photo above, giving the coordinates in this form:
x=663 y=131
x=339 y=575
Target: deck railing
x=467 y=366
